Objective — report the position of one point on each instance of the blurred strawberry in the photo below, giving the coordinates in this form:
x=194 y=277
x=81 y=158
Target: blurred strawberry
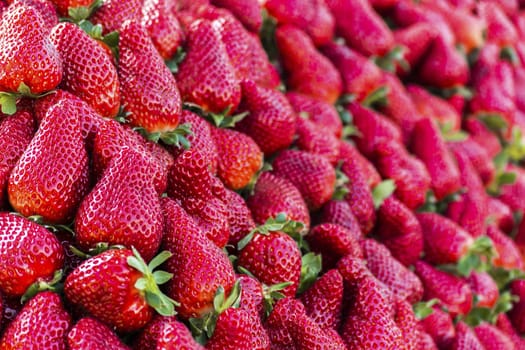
x=63 y=6
x=163 y=332
x=500 y=29
x=247 y=12
x=88 y=332
x=440 y=327
x=484 y=288
x=466 y=339
x=339 y=212
x=500 y=214
x=407 y=322
x=508 y=251
x=315 y=141
x=415 y=39
x=510 y=194
x=348 y=151
x=477 y=156
x=492 y=338
x=503 y=323
x=113 y=13
x=483 y=136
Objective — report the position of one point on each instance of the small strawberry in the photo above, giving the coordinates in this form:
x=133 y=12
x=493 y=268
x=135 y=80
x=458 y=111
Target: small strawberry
x=42 y=323
x=483 y=136
x=500 y=214
x=508 y=251
x=340 y=213
x=239 y=217
x=252 y=297
x=484 y=288
x=313 y=175
x=416 y=39
x=492 y=338
x=466 y=338
x=206 y=76
x=88 y=72
x=53 y=186
x=247 y=12
x=315 y=141
x=440 y=327
x=271 y=119
x=162 y=332
x=113 y=13
x=92 y=334
x=348 y=151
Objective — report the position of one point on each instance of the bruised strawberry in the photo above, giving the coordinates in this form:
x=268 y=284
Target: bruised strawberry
x=113 y=13
x=206 y=76
x=315 y=141
x=162 y=26
x=163 y=332
x=348 y=151
x=416 y=39
x=92 y=334
x=466 y=338
x=247 y=12
x=271 y=119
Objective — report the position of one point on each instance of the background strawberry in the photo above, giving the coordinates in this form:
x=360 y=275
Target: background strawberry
x=247 y=12
x=164 y=331
x=113 y=13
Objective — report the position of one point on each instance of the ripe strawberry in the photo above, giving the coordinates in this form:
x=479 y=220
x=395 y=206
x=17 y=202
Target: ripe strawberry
x=348 y=151
x=113 y=13
x=507 y=249
x=125 y=187
x=53 y=186
x=317 y=76
x=24 y=42
x=510 y=194
x=198 y=265
x=92 y=334
x=407 y=323
x=322 y=114
x=484 y=288
x=42 y=323
x=416 y=39
x=206 y=76
x=492 y=338
x=453 y=293
x=252 y=295
x=500 y=29
x=16 y=132
x=46 y=9
x=239 y=217
x=360 y=77
x=426 y=341
x=247 y=12
x=516 y=314
x=164 y=332
x=63 y=6
x=503 y=323
x=333 y=242
x=410 y=175
x=440 y=327
x=340 y=213
x=478 y=157
x=313 y=175
x=500 y=214
x=239 y=157
x=361 y=27
x=271 y=119
x=466 y=338
x=88 y=72
x=315 y=141
x=483 y=136
x=399 y=230
x=402 y=282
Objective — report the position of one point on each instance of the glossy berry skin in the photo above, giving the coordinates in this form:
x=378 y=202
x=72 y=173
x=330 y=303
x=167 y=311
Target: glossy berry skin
x=407 y=322
x=64 y=5
x=415 y=39
x=24 y=43
x=338 y=212
x=22 y=264
x=349 y=151
x=113 y=13
x=166 y=333
x=88 y=71
x=51 y=177
x=88 y=333
x=41 y=324
x=240 y=217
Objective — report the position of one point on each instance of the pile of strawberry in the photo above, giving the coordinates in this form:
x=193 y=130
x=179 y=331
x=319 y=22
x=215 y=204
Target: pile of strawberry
x=284 y=174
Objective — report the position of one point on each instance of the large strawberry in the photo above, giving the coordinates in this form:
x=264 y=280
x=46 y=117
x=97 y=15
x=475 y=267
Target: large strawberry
x=46 y=9
x=54 y=184
x=91 y=333
x=113 y=13
x=88 y=71
x=162 y=332
x=42 y=323
x=247 y=12
x=125 y=187
x=307 y=70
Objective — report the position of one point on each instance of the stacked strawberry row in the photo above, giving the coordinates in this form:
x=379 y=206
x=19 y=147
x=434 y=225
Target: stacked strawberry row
x=296 y=174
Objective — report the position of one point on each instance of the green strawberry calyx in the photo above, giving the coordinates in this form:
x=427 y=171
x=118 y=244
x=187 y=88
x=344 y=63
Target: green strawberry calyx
x=311 y=265
x=8 y=99
x=383 y=191
x=222 y=120
x=149 y=283
x=480 y=314
x=424 y=309
x=53 y=285
x=176 y=137
x=478 y=257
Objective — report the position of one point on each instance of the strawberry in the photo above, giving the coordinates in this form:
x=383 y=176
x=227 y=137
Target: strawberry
x=53 y=186
x=426 y=342
x=519 y=83
x=484 y=288
x=340 y=213
x=516 y=314
x=306 y=334
x=333 y=242
x=361 y=27
x=399 y=230
x=46 y=9
x=360 y=77
x=483 y=136
x=199 y=265
x=92 y=334
x=503 y=323
x=500 y=29
x=240 y=217
x=113 y=13
x=24 y=42
x=63 y=6
x=492 y=338
x=407 y=323
x=477 y=156
x=88 y=72
x=317 y=77
x=163 y=332
x=500 y=214
x=452 y=292
x=252 y=297
x=402 y=282
x=410 y=175
x=507 y=249
x=206 y=76
x=415 y=39
x=271 y=119
x=16 y=133
x=41 y=324
x=124 y=187
x=117 y=288
x=322 y=114
x=466 y=339
x=313 y=175
x=247 y=12
x=21 y=264
x=324 y=300
x=239 y=157
x=311 y=140
x=348 y=151
x=440 y=327
x=510 y=194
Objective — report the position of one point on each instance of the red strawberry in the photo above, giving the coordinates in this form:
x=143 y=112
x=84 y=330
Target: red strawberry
x=239 y=157
x=113 y=13
x=252 y=297
x=416 y=39
x=24 y=42
x=500 y=214
x=41 y=324
x=485 y=289
x=402 y=282
x=483 y=136
x=92 y=334
x=53 y=186
x=361 y=27
x=63 y=6
x=198 y=265
x=426 y=341
x=503 y=323
x=410 y=175
x=117 y=288
x=492 y=338
x=317 y=76
x=313 y=175
x=322 y=114
x=247 y=12
x=315 y=141
x=239 y=217
x=333 y=242
x=507 y=249
x=88 y=72
x=46 y=9
x=22 y=265
x=399 y=230
x=163 y=332
x=516 y=314
x=511 y=194
x=466 y=339
x=3 y=6
x=477 y=156
x=440 y=327
x=206 y=76
x=125 y=187
x=452 y=292
x=500 y=29
x=273 y=195
x=348 y=151
x=407 y=323
x=271 y=119
x=339 y=212
x=163 y=27
x=324 y=300
x=16 y=132
x=360 y=77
